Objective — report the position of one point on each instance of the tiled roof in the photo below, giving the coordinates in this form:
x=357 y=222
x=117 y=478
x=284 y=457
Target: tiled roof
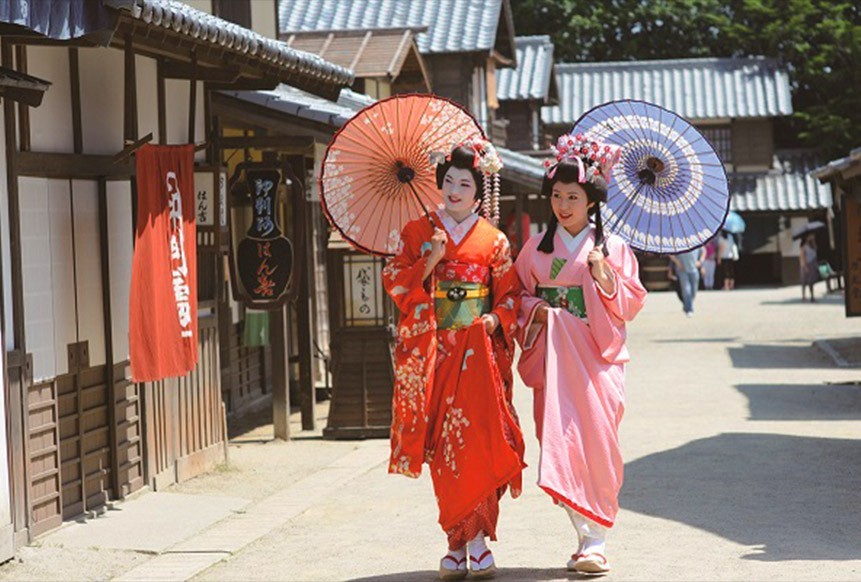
x=521 y=168
x=453 y=26
x=533 y=77
x=372 y=53
x=836 y=167
x=208 y=29
x=789 y=187
x=302 y=104
x=693 y=88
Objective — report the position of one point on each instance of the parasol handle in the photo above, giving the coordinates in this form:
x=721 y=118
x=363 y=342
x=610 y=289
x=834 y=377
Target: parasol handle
x=405 y=176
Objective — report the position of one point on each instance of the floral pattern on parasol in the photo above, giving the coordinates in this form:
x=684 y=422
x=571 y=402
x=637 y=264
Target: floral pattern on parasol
x=378 y=175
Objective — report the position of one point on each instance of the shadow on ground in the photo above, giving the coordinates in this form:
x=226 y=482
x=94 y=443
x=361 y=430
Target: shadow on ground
x=526 y=574
x=835 y=298
x=789 y=497
x=697 y=340
x=802 y=401
x=779 y=356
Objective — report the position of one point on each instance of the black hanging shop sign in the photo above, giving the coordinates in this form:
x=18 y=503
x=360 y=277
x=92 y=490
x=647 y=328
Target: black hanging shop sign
x=261 y=257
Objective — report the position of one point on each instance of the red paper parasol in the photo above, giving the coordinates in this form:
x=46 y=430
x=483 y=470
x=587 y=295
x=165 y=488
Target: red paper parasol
x=378 y=175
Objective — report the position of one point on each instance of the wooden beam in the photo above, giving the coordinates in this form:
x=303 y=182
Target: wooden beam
x=360 y=51
x=14 y=211
x=23 y=109
x=302 y=281
x=162 y=103
x=326 y=44
x=266 y=141
x=104 y=239
x=174 y=70
x=130 y=101
x=75 y=91
x=280 y=373
x=70 y=166
x=192 y=98
x=131 y=148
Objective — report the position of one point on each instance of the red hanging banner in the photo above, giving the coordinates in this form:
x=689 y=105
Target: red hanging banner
x=163 y=305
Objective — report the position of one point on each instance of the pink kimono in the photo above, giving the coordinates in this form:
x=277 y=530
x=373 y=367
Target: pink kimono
x=576 y=366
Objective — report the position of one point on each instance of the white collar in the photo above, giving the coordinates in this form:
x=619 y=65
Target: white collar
x=572 y=243
x=457 y=230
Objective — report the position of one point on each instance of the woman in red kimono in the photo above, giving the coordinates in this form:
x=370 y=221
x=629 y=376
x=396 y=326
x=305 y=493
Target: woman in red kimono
x=455 y=287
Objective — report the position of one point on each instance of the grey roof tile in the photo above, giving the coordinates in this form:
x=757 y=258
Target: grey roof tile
x=533 y=78
x=693 y=88
x=791 y=186
x=450 y=25
x=204 y=27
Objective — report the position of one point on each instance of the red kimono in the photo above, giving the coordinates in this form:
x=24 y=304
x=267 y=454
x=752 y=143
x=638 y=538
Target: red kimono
x=452 y=405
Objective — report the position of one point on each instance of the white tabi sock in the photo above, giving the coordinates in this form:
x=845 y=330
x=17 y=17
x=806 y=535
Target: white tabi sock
x=590 y=534
x=478 y=549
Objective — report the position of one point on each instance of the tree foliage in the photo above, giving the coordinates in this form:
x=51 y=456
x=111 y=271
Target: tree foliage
x=818 y=41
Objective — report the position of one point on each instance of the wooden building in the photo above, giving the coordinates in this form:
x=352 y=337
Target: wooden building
x=81 y=433
x=524 y=90
x=844 y=177
x=462 y=43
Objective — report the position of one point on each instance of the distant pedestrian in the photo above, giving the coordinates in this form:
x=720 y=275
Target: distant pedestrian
x=710 y=263
x=727 y=255
x=688 y=265
x=809 y=260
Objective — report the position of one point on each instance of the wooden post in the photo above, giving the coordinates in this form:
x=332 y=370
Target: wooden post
x=305 y=349
x=280 y=373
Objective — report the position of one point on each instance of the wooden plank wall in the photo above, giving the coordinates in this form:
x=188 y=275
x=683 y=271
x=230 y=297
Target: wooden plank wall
x=185 y=417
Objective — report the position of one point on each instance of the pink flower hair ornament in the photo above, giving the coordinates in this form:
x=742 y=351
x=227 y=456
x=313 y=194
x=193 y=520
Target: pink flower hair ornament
x=583 y=150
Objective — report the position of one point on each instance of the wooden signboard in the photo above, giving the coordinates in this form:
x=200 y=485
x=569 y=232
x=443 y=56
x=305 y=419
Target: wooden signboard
x=262 y=257
x=852 y=253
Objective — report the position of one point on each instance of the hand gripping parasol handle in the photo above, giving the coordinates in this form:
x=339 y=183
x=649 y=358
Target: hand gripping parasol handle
x=405 y=176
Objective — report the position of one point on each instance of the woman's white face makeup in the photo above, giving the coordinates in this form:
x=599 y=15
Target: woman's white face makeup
x=458 y=188
x=570 y=205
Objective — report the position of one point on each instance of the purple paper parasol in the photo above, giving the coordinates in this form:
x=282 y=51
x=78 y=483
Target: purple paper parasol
x=668 y=193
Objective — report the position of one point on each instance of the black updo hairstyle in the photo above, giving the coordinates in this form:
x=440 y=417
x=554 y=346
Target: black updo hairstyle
x=568 y=172
x=462 y=158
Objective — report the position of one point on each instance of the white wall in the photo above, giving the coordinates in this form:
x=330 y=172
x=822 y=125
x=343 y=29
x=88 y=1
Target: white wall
x=120 y=235
x=263 y=19
x=46 y=249
x=176 y=103
x=5 y=253
x=7 y=340
x=51 y=123
x=102 y=90
x=204 y=5
x=88 y=269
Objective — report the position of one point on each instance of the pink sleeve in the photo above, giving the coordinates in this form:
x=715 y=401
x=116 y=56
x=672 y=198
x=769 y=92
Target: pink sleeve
x=629 y=294
x=528 y=301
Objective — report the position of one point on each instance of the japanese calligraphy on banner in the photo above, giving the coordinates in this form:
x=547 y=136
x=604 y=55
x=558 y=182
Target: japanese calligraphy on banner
x=205 y=198
x=163 y=302
x=262 y=260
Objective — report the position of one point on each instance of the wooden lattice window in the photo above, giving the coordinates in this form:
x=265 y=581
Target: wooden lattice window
x=720 y=137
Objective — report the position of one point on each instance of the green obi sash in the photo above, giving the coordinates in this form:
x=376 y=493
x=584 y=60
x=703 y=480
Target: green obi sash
x=568 y=298
x=457 y=304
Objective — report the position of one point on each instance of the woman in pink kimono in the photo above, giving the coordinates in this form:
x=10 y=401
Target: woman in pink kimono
x=580 y=288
